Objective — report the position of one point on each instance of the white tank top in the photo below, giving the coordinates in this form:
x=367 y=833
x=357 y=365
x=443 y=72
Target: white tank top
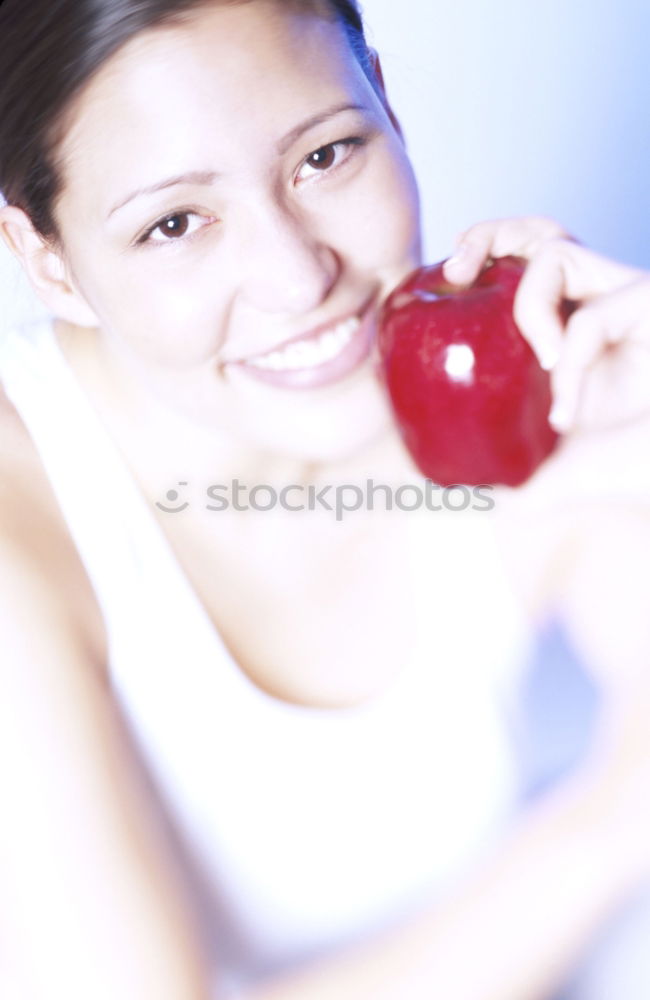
x=302 y=828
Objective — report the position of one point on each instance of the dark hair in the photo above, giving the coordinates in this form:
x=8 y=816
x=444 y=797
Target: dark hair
x=50 y=49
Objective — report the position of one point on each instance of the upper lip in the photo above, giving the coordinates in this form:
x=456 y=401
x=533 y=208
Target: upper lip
x=314 y=332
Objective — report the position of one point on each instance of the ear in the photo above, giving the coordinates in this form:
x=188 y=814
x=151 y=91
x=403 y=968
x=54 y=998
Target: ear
x=45 y=267
x=379 y=76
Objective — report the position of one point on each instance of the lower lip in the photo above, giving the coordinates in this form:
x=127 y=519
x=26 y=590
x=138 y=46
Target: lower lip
x=352 y=355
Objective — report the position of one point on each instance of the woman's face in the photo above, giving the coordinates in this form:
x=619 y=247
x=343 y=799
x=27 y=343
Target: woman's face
x=286 y=210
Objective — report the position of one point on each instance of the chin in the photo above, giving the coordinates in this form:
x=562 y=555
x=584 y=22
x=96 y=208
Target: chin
x=337 y=435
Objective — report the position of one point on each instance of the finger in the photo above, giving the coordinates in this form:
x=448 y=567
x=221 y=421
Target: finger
x=524 y=236
x=539 y=296
x=473 y=249
x=521 y=237
x=561 y=270
x=469 y=258
x=585 y=341
x=590 y=333
x=588 y=274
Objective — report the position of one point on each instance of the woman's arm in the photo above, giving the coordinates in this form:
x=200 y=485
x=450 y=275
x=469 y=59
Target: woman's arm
x=598 y=481
x=603 y=598
x=515 y=927
x=90 y=906
x=93 y=909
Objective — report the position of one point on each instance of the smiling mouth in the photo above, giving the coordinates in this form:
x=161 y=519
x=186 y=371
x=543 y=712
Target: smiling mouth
x=310 y=350
x=317 y=358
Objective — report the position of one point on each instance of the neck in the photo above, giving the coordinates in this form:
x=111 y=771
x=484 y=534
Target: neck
x=179 y=446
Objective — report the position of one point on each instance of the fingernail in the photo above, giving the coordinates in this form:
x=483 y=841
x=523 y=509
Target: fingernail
x=560 y=416
x=458 y=257
x=548 y=357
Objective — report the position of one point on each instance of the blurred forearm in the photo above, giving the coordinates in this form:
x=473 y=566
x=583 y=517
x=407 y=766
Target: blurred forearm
x=512 y=930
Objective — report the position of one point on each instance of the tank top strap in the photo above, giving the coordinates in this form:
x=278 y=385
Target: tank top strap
x=119 y=541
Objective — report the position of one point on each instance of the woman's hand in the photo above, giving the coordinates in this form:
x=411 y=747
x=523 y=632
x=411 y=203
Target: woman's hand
x=600 y=358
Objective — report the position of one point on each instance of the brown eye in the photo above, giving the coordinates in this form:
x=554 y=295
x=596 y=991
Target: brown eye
x=323 y=158
x=177 y=228
x=329 y=158
x=175 y=225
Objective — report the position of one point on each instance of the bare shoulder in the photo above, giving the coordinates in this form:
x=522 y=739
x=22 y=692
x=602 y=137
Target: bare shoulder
x=35 y=538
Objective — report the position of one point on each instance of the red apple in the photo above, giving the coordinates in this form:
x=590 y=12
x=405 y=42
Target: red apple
x=470 y=398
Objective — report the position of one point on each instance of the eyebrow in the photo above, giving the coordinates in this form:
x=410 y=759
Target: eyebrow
x=207 y=177
x=288 y=140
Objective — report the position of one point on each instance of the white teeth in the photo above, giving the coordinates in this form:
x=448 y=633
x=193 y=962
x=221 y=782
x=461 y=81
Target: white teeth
x=308 y=354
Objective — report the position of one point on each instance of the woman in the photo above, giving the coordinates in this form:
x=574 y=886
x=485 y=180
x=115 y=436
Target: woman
x=235 y=730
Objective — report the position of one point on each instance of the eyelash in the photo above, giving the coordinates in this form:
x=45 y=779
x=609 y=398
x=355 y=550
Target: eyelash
x=145 y=239
x=353 y=140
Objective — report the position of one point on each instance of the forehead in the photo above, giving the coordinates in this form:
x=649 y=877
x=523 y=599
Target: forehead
x=224 y=73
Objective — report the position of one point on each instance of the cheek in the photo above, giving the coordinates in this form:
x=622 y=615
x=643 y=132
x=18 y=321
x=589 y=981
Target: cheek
x=165 y=311
x=386 y=232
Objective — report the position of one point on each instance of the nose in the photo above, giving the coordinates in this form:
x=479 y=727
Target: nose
x=289 y=269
